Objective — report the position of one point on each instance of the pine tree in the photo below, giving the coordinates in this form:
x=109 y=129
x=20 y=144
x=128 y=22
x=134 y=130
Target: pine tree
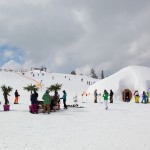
x=102 y=75
x=73 y=72
x=93 y=74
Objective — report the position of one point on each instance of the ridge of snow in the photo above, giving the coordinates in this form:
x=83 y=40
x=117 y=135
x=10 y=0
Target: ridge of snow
x=12 y=65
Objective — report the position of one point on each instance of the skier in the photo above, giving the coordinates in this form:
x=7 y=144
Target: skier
x=95 y=96
x=64 y=99
x=16 y=97
x=105 y=96
x=47 y=102
x=111 y=96
x=136 y=96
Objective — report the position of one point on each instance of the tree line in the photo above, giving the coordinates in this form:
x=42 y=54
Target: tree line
x=92 y=74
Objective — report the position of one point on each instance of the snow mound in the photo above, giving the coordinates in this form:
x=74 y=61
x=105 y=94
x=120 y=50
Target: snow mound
x=131 y=77
x=12 y=65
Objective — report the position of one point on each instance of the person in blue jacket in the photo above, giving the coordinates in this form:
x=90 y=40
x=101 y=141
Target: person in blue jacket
x=64 y=97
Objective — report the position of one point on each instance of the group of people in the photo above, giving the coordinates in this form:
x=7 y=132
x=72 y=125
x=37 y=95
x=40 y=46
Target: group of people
x=105 y=96
x=145 y=97
x=49 y=102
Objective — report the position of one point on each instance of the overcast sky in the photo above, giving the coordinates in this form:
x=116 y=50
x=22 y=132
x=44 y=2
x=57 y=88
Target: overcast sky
x=66 y=35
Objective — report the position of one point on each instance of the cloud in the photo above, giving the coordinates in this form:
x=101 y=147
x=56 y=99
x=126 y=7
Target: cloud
x=65 y=34
x=8 y=54
x=84 y=70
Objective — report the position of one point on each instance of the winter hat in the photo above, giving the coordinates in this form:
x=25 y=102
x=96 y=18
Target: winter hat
x=47 y=91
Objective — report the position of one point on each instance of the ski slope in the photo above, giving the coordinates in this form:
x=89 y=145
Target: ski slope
x=72 y=83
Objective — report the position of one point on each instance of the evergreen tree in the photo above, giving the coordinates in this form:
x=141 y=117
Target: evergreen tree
x=73 y=72
x=102 y=75
x=93 y=74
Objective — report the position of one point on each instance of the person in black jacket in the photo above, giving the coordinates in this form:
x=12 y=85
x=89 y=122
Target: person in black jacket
x=111 y=96
x=95 y=96
x=34 y=102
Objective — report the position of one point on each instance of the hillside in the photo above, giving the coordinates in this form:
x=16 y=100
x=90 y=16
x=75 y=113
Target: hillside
x=71 y=83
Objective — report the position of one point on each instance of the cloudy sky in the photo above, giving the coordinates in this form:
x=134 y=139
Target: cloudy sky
x=66 y=35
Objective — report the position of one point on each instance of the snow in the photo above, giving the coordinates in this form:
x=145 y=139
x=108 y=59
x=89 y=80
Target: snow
x=124 y=126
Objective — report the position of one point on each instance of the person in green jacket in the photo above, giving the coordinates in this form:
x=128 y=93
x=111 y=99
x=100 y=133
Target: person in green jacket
x=105 y=96
x=47 y=102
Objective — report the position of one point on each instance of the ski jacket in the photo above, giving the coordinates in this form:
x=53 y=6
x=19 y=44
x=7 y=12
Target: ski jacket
x=16 y=94
x=64 y=96
x=95 y=93
x=144 y=96
x=46 y=98
x=105 y=96
x=111 y=93
x=33 y=99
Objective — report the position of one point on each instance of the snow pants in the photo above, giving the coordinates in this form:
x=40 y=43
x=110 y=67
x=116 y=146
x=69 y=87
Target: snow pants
x=106 y=104
x=95 y=99
x=111 y=99
x=136 y=99
x=144 y=101
x=46 y=108
x=34 y=108
x=16 y=100
x=65 y=106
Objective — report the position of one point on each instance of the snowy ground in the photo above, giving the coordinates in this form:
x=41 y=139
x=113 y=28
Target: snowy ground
x=125 y=126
